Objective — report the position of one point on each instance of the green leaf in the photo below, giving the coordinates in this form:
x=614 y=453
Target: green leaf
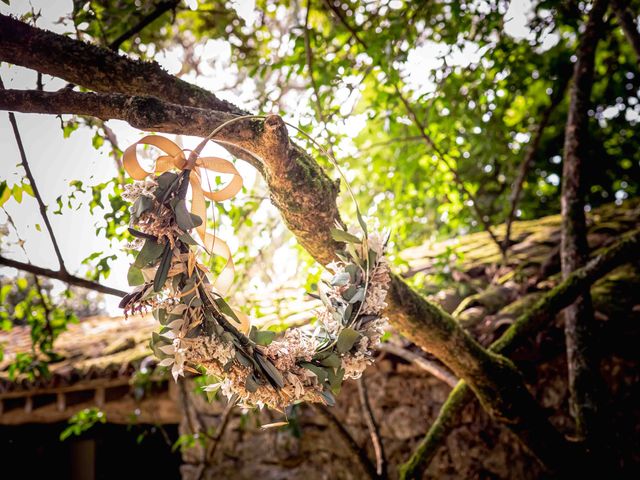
x=328 y=398
x=319 y=372
x=272 y=372
x=5 y=193
x=346 y=339
x=150 y=252
x=342 y=236
x=134 y=276
x=163 y=269
x=361 y=221
x=38 y=227
x=187 y=239
x=251 y=384
x=264 y=337
x=17 y=193
x=332 y=361
x=185 y=220
x=335 y=379
x=340 y=279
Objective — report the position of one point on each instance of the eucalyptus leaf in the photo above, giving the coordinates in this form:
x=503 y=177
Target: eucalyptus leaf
x=319 y=372
x=163 y=269
x=151 y=251
x=346 y=339
x=185 y=220
x=272 y=372
x=342 y=236
x=134 y=276
x=332 y=361
x=264 y=337
x=340 y=279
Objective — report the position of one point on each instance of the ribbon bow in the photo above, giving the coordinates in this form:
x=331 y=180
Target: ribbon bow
x=175 y=158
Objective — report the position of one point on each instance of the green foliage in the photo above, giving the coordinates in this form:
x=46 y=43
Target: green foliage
x=83 y=421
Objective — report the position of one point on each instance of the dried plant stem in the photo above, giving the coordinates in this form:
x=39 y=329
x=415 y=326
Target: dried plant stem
x=372 y=426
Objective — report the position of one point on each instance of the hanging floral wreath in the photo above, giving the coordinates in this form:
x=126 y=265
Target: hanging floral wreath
x=198 y=327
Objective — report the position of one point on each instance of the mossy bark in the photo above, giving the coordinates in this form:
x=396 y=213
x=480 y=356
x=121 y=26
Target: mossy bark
x=527 y=324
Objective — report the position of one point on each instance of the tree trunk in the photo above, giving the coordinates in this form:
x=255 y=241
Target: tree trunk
x=583 y=364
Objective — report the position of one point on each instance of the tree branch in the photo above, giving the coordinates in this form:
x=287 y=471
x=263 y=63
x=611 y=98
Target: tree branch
x=344 y=434
x=34 y=187
x=62 y=276
x=479 y=214
x=157 y=12
x=585 y=384
x=98 y=68
x=628 y=24
x=435 y=369
x=530 y=322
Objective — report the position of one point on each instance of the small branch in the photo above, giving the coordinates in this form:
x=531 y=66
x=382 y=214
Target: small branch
x=346 y=437
x=157 y=12
x=372 y=426
x=222 y=427
x=434 y=368
x=527 y=161
x=628 y=24
x=309 y=60
x=62 y=276
x=34 y=187
x=479 y=214
x=530 y=322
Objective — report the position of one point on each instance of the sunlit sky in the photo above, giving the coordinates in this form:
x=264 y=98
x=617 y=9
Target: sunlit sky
x=56 y=161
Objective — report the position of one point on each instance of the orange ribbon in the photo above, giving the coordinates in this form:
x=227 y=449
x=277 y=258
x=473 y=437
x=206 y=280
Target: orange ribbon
x=175 y=158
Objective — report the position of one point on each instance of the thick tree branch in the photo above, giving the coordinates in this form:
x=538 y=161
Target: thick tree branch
x=628 y=24
x=62 y=276
x=525 y=326
x=585 y=384
x=98 y=68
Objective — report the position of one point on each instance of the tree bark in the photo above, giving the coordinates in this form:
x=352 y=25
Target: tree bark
x=97 y=68
x=525 y=326
x=585 y=383
x=628 y=24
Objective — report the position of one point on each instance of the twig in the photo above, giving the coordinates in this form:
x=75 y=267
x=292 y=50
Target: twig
x=34 y=187
x=372 y=426
x=215 y=441
x=161 y=8
x=309 y=60
x=340 y=429
x=435 y=369
x=480 y=215
x=527 y=161
x=62 y=276
x=544 y=310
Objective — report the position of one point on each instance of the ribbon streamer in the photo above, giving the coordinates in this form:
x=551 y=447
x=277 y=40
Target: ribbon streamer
x=175 y=158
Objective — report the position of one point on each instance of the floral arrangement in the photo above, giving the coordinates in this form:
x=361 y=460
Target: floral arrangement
x=199 y=330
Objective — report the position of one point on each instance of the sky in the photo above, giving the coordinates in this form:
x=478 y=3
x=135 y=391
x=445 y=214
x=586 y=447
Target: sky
x=55 y=161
